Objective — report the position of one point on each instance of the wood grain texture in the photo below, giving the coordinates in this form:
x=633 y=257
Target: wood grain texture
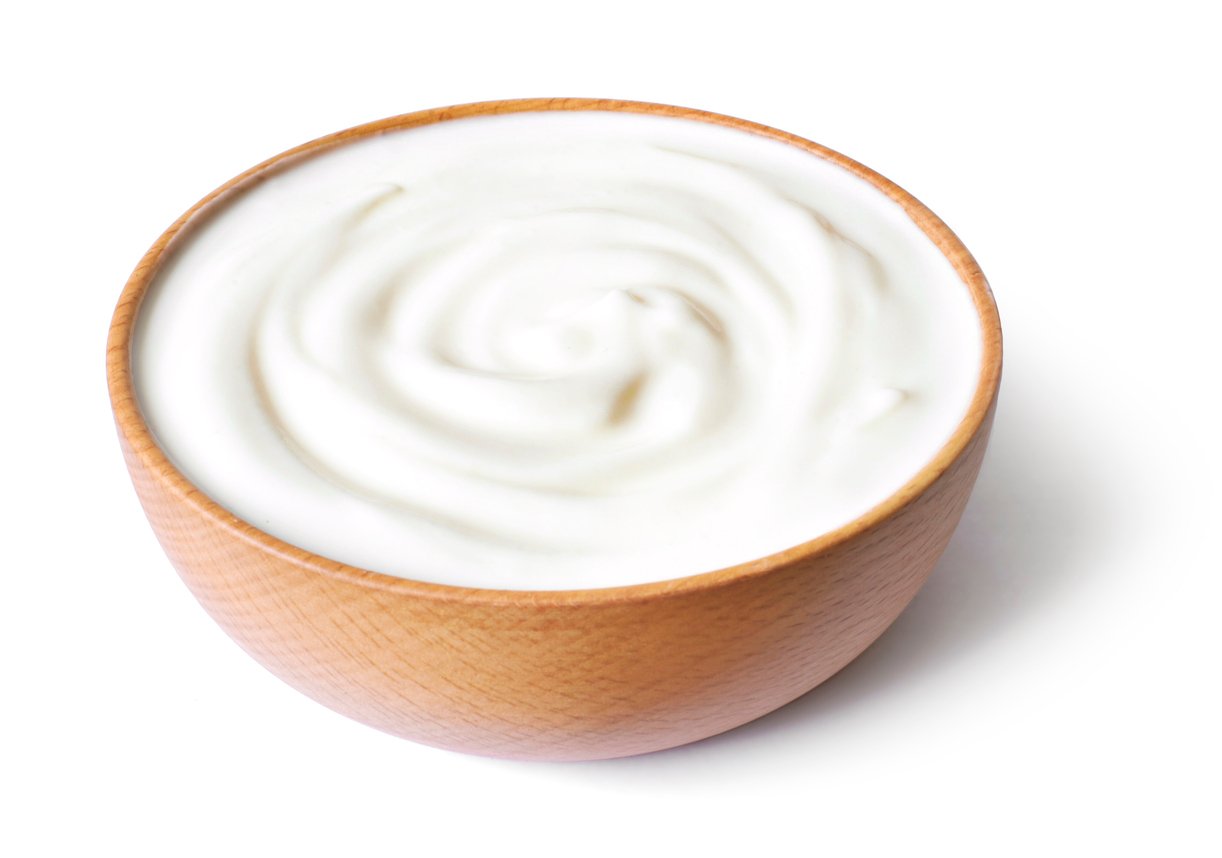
x=582 y=674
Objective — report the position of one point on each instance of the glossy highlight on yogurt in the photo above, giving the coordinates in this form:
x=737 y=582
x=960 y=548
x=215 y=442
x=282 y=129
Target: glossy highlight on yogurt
x=556 y=350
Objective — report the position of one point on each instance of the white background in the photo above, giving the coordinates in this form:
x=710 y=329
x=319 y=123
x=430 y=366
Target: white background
x=1053 y=690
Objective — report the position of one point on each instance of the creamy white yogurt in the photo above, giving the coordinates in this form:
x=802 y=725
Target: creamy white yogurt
x=556 y=350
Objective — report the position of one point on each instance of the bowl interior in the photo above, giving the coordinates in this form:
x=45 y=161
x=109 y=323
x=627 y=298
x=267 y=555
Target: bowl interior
x=140 y=440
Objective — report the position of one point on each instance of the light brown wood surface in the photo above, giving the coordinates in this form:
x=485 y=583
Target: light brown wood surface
x=571 y=675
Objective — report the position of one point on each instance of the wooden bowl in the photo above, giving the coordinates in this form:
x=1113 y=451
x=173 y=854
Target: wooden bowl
x=572 y=675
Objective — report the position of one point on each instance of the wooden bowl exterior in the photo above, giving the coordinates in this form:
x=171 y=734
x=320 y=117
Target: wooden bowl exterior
x=572 y=675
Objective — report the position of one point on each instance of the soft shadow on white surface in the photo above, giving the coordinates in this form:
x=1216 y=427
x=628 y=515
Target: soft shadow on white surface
x=1016 y=548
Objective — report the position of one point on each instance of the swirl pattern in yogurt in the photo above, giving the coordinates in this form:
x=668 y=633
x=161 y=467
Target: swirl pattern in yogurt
x=556 y=350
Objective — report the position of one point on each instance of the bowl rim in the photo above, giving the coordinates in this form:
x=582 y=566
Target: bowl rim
x=144 y=447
